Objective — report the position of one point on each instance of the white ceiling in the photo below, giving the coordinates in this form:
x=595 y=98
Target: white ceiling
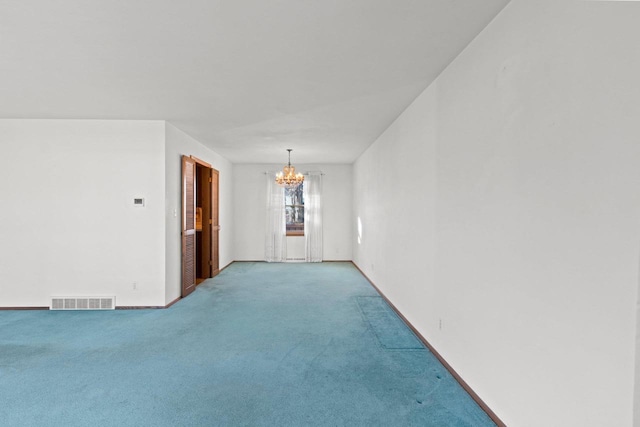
x=248 y=78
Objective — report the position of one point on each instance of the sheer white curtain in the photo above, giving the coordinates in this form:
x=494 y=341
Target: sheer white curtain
x=275 y=247
x=313 y=217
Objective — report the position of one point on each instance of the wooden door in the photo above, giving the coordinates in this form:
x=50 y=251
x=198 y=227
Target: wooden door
x=215 y=222
x=188 y=225
x=203 y=234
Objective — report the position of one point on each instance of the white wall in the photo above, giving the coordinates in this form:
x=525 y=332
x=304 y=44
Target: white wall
x=522 y=165
x=179 y=143
x=636 y=394
x=68 y=223
x=250 y=206
x=69 y=226
x=394 y=211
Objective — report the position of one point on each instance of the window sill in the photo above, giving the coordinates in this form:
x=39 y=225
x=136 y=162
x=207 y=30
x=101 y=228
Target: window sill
x=295 y=233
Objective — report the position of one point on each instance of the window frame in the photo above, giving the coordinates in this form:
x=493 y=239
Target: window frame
x=299 y=233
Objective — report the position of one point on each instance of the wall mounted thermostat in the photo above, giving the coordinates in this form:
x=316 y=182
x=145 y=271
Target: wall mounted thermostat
x=138 y=202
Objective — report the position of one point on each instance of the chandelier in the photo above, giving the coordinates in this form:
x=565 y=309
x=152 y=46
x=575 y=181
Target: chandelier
x=289 y=178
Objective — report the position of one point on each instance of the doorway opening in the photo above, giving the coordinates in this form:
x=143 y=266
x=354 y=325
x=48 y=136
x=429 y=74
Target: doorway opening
x=200 y=259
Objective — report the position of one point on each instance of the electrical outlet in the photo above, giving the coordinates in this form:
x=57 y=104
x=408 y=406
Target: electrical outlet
x=440 y=324
x=135 y=286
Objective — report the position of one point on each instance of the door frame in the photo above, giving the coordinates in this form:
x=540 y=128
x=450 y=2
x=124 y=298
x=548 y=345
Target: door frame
x=206 y=251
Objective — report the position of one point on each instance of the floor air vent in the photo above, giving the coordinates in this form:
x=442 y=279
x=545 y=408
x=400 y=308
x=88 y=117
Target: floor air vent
x=83 y=303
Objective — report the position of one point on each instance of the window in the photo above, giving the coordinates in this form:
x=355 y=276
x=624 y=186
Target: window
x=294 y=210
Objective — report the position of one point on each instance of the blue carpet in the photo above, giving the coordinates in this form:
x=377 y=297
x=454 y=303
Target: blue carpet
x=258 y=345
x=391 y=332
